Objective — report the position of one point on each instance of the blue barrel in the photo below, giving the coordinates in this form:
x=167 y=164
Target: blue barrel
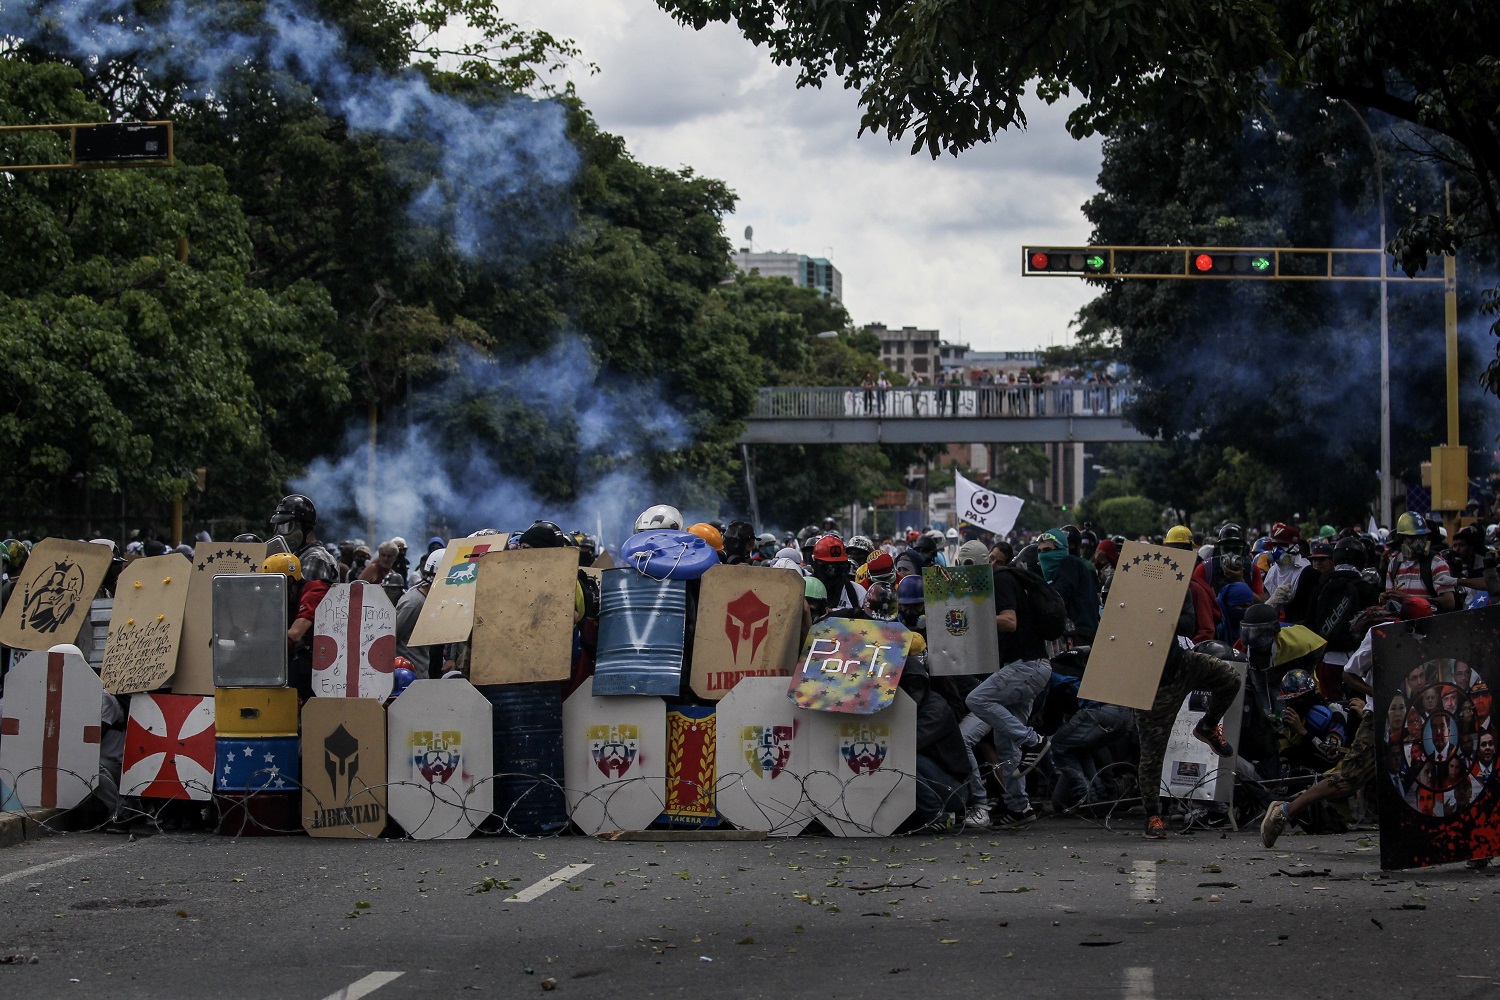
x=642 y=627
x=527 y=721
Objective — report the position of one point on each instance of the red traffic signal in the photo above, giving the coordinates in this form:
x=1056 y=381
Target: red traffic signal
x=1067 y=260
x=1238 y=265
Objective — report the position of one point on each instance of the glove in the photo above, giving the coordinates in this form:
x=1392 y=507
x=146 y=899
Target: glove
x=1280 y=595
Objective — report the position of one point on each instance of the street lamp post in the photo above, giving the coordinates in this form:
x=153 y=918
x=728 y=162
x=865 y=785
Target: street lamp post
x=1385 y=334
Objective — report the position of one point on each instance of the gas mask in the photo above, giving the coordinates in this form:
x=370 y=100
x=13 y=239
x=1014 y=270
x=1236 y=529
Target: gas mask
x=293 y=533
x=1413 y=546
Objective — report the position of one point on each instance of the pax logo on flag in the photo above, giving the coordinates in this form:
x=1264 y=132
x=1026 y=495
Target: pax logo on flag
x=991 y=511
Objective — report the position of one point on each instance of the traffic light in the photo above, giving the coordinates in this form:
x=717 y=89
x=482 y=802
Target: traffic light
x=1215 y=263
x=1067 y=260
x=122 y=142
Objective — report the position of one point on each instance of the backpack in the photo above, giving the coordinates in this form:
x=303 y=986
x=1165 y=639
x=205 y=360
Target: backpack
x=1047 y=614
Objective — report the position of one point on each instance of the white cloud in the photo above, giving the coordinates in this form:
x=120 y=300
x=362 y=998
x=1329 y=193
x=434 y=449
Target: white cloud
x=933 y=243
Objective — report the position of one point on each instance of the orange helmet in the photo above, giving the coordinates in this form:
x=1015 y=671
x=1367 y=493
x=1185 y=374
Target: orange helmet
x=709 y=534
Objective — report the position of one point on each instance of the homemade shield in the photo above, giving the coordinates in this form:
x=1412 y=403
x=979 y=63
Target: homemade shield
x=249 y=616
x=448 y=613
x=762 y=758
x=354 y=643
x=749 y=625
x=961 y=635
x=146 y=624
x=1190 y=770
x=169 y=747
x=523 y=617
x=49 y=604
x=343 y=767
x=690 y=767
x=440 y=759
x=195 y=653
x=1136 y=631
x=642 y=627
x=851 y=666
x=862 y=771
x=1435 y=738
x=49 y=735
x=615 y=760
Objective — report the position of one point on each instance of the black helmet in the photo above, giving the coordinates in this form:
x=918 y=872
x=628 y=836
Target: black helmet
x=1231 y=533
x=1350 y=551
x=1217 y=648
x=544 y=535
x=829 y=524
x=246 y=536
x=296 y=507
x=739 y=538
x=1260 y=627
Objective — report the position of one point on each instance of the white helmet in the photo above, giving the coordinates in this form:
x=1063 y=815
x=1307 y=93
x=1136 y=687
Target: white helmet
x=432 y=562
x=662 y=517
x=952 y=534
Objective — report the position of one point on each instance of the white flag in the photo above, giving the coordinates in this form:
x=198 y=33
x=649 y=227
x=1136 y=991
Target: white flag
x=995 y=512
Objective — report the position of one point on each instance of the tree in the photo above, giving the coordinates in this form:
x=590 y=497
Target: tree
x=1284 y=373
x=126 y=367
x=955 y=74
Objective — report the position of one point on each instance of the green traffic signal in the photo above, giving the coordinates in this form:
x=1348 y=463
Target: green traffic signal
x=1094 y=261
x=1260 y=265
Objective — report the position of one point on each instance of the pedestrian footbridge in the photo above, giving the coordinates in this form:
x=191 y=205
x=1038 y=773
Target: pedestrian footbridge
x=1002 y=414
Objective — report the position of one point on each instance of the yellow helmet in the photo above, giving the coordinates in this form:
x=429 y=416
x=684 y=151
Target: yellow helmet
x=284 y=563
x=709 y=534
x=1410 y=524
x=1179 y=534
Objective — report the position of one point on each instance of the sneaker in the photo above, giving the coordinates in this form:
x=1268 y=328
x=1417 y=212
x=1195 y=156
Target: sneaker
x=1215 y=739
x=944 y=822
x=1477 y=864
x=1156 y=828
x=1031 y=756
x=978 y=815
x=1010 y=819
x=1273 y=824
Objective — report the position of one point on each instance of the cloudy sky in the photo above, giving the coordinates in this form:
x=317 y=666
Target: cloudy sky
x=921 y=242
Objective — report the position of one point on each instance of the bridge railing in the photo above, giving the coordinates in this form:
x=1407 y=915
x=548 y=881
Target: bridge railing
x=940 y=402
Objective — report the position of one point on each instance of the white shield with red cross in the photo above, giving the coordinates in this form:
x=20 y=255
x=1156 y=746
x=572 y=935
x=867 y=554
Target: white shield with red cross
x=169 y=747
x=354 y=643
x=49 y=735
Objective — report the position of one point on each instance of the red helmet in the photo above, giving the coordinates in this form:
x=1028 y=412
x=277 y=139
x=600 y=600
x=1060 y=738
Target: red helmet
x=830 y=549
x=880 y=564
x=401 y=662
x=912 y=534
x=1415 y=607
x=1284 y=534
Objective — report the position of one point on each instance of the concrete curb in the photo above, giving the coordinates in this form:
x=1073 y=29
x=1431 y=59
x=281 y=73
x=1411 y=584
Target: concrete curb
x=19 y=826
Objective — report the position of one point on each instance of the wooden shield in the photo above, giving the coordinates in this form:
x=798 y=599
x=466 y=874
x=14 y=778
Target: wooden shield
x=146 y=624
x=851 y=665
x=344 y=760
x=49 y=735
x=440 y=758
x=169 y=747
x=961 y=636
x=523 y=617
x=614 y=760
x=50 y=602
x=749 y=625
x=762 y=758
x=1190 y=770
x=195 y=653
x=448 y=613
x=691 y=749
x=862 y=769
x=1139 y=622
x=354 y=643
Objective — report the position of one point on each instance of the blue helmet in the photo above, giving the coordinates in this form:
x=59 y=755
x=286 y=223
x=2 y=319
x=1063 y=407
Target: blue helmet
x=404 y=676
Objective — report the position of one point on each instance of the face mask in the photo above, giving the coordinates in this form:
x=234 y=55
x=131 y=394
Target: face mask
x=293 y=533
x=1414 y=548
x=1051 y=561
x=910 y=618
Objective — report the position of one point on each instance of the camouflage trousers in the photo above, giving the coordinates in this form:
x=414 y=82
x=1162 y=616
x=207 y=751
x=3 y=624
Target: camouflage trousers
x=1186 y=672
x=1358 y=766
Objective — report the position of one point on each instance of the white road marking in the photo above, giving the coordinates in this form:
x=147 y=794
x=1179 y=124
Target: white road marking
x=552 y=881
x=364 y=987
x=16 y=876
x=1140 y=983
x=1145 y=881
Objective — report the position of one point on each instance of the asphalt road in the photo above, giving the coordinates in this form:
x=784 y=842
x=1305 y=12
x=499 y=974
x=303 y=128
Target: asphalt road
x=1065 y=908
